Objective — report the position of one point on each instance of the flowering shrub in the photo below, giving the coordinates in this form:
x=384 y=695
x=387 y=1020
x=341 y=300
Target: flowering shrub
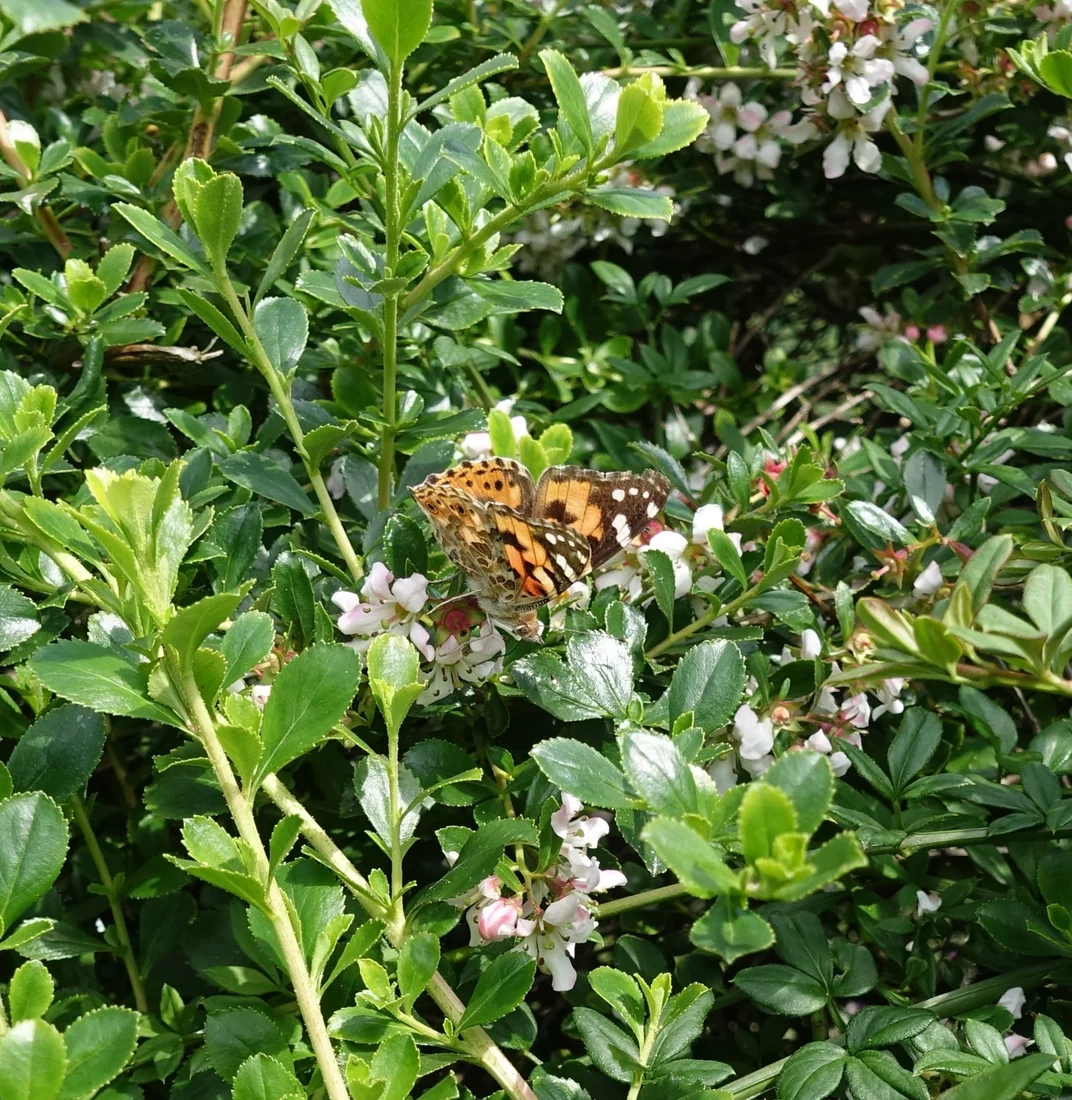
x=775 y=803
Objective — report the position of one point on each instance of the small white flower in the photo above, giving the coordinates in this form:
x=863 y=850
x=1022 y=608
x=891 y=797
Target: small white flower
x=1013 y=1000
x=1017 y=1044
x=753 y=246
x=819 y=742
x=929 y=581
x=853 y=139
x=259 y=694
x=723 y=773
x=927 y=903
x=840 y=763
x=889 y=697
x=708 y=517
x=755 y=734
x=811 y=645
x=856 y=710
x=673 y=545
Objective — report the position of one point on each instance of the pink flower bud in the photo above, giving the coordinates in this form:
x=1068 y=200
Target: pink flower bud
x=498 y=919
x=912 y=331
x=937 y=334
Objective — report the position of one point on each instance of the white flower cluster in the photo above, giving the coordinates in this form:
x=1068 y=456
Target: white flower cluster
x=462 y=647
x=848 y=55
x=554 y=914
x=684 y=555
x=745 y=137
x=754 y=734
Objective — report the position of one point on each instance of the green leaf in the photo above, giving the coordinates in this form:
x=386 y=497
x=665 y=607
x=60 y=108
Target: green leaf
x=659 y=773
x=417 y=962
x=59 y=752
x=731 y=931
x=708 y=683
x=783 y=990
x=977 y=577
x=308 y=697
x=262 y=1077
x=582 y=771
x=612 y=1051
x=700 y=869
x=812 y=1073
x=479 y=856
x=499 y=990
x=632 y=203
x=661 y=570
x=259 y=474
x=570 y=97
x=99 y=1044
x=639 y=119
x=398 y=28
x=33 y=845
x=215 y=320
x=766 y=813
x=881 y=524
x=188 y=628
x=18 y=618
x=683 y=122
x=917 y=738
x=30 y=991
x=284 y=253
x=156 y=232
x=877 y=1074
x=602 y=664
x=516 y=295
x=1048 y=599
x=623 y=995
x=1002 y=1082
x=33 y=1061
x=924 y=481
x=98 y=678
x=247 y=642
x=234 y=1035
x=282 y=326
x=808 y=780
x=886 y=1025
x=394 y=676
x=218 y=216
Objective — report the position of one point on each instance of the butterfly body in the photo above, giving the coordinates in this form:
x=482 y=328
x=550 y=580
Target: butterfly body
x=521 y=543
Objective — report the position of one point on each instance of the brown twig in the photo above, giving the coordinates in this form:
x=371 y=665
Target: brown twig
x=44 y=213
x=202 y=131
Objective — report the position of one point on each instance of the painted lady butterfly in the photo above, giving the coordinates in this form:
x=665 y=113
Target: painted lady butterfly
x=520 y=543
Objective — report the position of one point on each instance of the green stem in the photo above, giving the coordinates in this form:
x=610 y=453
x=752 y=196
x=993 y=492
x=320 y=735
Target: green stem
x=122 y=934
x=281 y=392
x=645 y=897
x=315 y=833
x=913 y=842
x=393 y=232
x=397 y=918
x=705 y=619
x=650 y=1033
x=716 y=72
x=506 y=217
x=475 y=1044
x=536 y=37
x=203 y=728
x=932 y=68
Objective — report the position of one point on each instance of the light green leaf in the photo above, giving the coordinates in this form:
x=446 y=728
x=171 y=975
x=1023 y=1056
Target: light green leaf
x=308 y=697
x=32 y=1062
x=399 y=28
